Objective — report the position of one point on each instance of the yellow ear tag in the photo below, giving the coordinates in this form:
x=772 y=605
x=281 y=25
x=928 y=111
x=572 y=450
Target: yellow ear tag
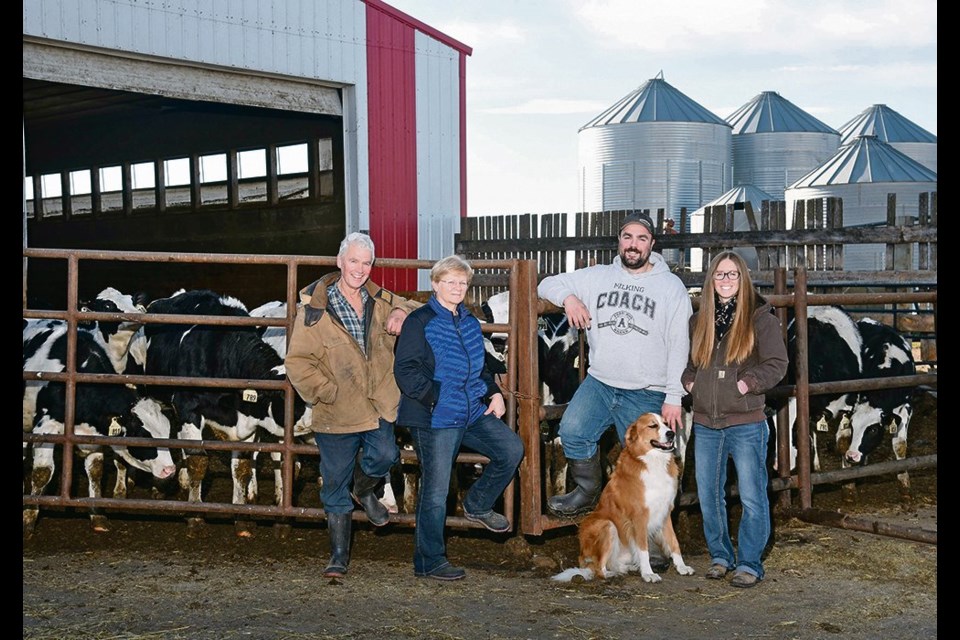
x=115 y=428
x=249 y=395
x=576 y=362
x=892 y=429
x=822 y=425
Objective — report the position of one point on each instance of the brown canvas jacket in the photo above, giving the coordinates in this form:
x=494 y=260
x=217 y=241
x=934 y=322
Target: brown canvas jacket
x=717 y=402
x=349 y=392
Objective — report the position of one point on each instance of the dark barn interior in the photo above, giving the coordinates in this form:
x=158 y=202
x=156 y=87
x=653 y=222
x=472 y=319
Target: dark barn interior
x=73 y=128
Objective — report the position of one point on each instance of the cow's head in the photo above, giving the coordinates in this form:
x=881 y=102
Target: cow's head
x=869 y=425
x=145 y=419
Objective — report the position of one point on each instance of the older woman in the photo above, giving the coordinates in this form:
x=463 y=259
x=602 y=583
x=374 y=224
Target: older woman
x=449 y=399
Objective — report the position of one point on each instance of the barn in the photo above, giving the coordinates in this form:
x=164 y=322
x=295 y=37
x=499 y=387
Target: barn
x=263 y=128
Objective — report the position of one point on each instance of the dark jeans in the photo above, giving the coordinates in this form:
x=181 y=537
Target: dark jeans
x=436 y=450
x=338 y=454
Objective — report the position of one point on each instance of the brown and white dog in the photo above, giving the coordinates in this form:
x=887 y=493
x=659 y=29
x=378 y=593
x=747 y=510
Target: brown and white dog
x=634 y=508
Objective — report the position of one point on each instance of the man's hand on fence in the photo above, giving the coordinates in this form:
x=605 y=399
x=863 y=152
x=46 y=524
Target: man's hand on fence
x=577 y=312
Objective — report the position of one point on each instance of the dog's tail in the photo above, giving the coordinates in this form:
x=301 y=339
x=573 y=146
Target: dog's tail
x=572 y=572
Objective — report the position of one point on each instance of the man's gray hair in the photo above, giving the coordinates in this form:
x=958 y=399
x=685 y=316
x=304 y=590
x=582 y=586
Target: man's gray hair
x=359 y=239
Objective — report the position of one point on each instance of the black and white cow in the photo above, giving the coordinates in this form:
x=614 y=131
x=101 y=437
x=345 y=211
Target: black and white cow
x=212 y=351
x=843 y=349
x=99 y=409
x=880 y=412
x=834 y=350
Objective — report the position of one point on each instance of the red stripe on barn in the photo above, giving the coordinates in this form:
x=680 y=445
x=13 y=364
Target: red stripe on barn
x=392 y=116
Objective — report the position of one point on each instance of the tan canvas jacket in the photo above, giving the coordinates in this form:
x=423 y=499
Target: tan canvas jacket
x=348 y=391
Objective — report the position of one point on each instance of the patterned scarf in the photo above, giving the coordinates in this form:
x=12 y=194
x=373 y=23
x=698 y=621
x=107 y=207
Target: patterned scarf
x=724 y=315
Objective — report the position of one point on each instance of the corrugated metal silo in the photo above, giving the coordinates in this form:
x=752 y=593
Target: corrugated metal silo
x=775 y=143
x=655 y=148
x=892 y=128
x=862 y=173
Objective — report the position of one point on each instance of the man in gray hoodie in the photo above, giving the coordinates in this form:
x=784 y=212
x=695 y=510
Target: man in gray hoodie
x=636 y=313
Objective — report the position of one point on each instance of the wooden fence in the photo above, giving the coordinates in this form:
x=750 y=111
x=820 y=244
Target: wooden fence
x=816 y=238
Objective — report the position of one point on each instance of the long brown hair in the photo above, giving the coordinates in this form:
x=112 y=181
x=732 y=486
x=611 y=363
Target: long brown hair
x=741 y=335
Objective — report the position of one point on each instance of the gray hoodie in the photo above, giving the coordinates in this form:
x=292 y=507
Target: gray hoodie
x=638 y=335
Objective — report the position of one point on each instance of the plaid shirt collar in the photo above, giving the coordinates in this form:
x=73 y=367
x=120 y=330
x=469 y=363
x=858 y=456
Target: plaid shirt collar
x=344 y=310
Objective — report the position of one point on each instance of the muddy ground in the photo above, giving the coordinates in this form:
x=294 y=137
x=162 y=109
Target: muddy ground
x=146 y=578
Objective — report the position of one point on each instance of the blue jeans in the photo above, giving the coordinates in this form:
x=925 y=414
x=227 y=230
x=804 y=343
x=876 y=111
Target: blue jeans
x=338 y=456
x=747 y=445
x=594 y=407
x=437 y=450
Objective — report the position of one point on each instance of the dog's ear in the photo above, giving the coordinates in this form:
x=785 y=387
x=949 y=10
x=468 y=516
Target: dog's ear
x=633 y=433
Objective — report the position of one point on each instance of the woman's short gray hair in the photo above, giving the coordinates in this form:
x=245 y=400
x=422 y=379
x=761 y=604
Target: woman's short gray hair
x=451 y=263
x=357 y=238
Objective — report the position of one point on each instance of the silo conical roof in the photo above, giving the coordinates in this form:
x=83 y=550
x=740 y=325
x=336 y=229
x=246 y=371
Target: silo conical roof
x=654 y=101
x=866 y=159
x=886 y=124
x=741 y=193
x=769 y=112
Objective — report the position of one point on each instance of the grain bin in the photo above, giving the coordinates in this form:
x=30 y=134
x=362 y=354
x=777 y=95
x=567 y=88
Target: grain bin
x=862 y=173
x=894 y=129
x=775 y=143
x=655 y=148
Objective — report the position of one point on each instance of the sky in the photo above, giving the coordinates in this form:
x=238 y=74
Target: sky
x=541 y=69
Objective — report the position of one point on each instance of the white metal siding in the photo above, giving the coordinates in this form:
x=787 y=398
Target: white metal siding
x=324 y=41
x=438 y=149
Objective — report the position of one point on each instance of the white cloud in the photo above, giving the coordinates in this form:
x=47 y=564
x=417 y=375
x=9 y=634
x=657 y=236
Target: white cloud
x=479 y=35
x=548 y=107
x=779 y=26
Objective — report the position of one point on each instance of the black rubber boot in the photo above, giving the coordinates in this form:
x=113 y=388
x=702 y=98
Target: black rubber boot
x=365 y=493
x=588 y=477
x=339 y=526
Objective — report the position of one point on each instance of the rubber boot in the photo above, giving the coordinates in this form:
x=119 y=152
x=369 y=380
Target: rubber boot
x=339 y=526
x=588 y=477
x=365 y=493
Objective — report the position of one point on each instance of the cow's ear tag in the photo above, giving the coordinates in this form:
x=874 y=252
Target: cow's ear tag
x=249 y=395
x=141 y=308
x=576 y=362
x=822 y=425
x=115 y=428
x=892 y=429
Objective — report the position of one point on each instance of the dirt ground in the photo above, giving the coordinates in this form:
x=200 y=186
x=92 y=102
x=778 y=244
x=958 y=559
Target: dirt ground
x=146 y=578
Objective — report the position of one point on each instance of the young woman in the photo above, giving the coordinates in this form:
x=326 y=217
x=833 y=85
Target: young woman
x=737 y=354
x=449 y=398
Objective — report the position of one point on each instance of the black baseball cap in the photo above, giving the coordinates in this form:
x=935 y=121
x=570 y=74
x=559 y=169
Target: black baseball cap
x=638 y=218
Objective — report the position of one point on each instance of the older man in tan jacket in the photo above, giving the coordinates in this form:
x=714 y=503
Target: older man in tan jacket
x=340 y=360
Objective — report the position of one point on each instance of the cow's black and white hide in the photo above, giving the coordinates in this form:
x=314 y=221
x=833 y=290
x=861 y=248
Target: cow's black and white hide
x=842 y=349
x=880 y=412
x=212 y=351
x=99 y=409
x=115 y=337
x=833 y=355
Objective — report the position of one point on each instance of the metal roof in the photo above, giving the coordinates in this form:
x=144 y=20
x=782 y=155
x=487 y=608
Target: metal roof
x=742 y=193
x=654 y=101
x=866 y=159
x=886 y=124
x=769 y=112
